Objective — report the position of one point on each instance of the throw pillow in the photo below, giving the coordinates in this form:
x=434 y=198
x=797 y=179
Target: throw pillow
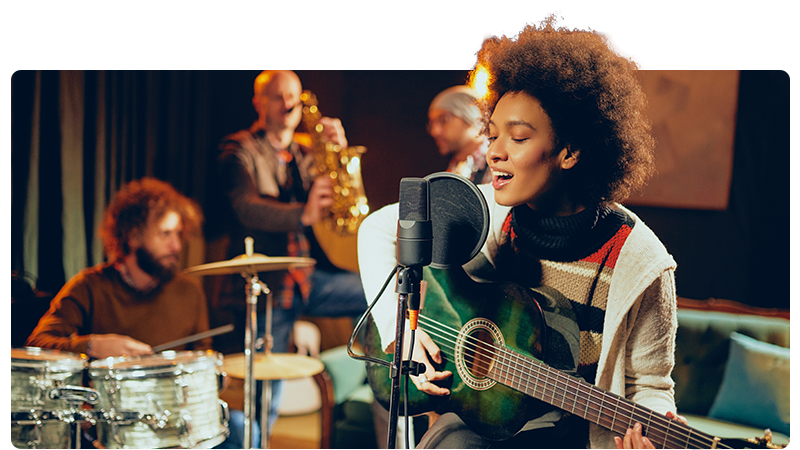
x=755 y=387
x=347 y=374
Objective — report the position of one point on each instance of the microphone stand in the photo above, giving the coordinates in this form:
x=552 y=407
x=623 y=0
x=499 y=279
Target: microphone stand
x=414 y=250
x=408 y=288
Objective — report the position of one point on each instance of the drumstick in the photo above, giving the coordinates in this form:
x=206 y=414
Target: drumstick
x=194 y=337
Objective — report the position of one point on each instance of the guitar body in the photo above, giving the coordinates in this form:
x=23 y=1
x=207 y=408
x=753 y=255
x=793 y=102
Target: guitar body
x=494 y=411
x=340 y=249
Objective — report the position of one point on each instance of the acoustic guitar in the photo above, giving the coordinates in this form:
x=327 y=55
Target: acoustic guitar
x=493 y=338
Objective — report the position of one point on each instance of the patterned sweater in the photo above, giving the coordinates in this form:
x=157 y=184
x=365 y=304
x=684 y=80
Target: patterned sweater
x=575 y=255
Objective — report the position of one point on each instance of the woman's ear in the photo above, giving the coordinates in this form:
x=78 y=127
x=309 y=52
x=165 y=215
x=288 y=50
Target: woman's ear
x=569 y=157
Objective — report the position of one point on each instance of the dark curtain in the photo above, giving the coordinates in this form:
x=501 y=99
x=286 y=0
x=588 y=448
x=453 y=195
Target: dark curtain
x=77 y=136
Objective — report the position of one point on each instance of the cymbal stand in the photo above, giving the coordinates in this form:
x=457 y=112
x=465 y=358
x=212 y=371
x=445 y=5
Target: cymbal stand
x=266 y=385
x=254 y=288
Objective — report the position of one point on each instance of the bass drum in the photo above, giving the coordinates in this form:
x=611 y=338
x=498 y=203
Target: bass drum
x=175 y=393
x=38 y=421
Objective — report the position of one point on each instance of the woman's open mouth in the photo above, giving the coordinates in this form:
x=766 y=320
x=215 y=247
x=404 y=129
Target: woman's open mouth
x=500 y=179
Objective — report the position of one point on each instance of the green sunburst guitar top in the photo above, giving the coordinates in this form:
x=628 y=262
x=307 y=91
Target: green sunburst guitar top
x=493 y=338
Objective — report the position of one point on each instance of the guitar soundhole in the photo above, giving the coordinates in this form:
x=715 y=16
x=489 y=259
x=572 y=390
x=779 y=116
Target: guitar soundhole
x=476 y=352
x=480 y=358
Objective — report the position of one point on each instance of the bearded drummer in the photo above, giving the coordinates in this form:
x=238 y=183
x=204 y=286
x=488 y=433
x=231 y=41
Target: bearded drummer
x=138 y=299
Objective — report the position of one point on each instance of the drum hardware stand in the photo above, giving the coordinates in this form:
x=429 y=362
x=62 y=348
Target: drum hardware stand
x=248 y=266
x=254 y=287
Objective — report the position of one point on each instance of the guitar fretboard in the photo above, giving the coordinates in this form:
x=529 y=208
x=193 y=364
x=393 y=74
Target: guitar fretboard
x=585 y=400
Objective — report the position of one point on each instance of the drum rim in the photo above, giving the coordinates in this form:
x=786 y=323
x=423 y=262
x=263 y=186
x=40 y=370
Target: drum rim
x=170 y=359
x=58 y=359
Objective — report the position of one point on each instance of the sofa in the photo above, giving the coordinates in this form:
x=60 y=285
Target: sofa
x=732 y=369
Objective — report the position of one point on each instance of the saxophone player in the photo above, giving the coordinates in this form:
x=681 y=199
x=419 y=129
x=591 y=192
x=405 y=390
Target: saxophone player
x=269 y=192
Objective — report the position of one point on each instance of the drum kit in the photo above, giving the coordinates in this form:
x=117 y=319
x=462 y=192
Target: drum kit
x=165 y=400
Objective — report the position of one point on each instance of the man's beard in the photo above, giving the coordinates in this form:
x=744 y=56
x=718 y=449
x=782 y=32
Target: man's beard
x=150 y=265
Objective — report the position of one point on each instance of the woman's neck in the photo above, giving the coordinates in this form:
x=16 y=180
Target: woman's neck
x=556 y=205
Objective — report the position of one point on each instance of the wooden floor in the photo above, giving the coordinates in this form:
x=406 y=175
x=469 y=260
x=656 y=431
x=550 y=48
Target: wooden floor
x=297 y=431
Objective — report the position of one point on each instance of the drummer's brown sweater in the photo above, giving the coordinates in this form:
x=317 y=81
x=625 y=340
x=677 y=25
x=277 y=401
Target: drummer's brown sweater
x=98 y=301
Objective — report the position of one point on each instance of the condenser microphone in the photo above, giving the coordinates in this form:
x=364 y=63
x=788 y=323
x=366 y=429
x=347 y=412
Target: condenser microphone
x=414 y=227
x=414 y=241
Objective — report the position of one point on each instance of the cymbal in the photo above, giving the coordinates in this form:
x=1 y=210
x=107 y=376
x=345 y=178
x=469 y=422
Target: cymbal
x=273 y=366
x=251 y=264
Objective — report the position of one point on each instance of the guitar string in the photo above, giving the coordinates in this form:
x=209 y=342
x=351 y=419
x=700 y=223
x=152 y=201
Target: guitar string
x=572 y=381
x=547 y=383
x=500 y=363
x=635 y=411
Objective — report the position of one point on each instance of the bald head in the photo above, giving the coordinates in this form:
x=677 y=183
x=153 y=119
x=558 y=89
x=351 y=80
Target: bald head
x=267 y=76
x=276 y=99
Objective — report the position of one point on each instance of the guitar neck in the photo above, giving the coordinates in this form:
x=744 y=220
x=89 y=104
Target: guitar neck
x=585 y=400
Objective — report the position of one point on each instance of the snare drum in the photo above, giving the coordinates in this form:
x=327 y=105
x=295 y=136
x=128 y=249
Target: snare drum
x=175 y=393
x=40 y=416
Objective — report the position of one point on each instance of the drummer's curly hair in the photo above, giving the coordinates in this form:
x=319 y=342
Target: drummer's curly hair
x=591 y=94
x=140 y=203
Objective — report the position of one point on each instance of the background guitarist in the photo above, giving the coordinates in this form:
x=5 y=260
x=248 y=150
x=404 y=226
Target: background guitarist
x=269 y=193
x=568 y=141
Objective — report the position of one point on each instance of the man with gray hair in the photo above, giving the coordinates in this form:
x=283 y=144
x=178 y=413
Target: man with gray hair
x=454 y=123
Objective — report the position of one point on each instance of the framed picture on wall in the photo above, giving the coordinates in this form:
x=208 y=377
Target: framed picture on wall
x=693 y=114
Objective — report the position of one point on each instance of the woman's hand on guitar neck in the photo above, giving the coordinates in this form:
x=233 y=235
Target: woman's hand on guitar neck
x=424 y=346
x=633 y=437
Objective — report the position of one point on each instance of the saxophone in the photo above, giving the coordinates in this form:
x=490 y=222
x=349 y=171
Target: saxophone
x=343 y=166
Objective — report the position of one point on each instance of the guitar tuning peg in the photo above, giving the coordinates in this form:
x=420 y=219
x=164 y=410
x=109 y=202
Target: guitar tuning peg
x=766 y=441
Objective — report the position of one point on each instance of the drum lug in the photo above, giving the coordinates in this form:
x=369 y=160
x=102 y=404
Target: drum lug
x=183 y=398
x=112 y=390
x=225 y=414
x=154 y=421
x=221 y=376
x=42 y=386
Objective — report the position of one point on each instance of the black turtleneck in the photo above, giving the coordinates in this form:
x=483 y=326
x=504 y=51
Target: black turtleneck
x=565 y=238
